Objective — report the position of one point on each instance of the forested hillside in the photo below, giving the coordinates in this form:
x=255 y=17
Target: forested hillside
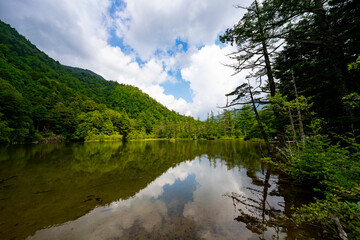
x=40 y=98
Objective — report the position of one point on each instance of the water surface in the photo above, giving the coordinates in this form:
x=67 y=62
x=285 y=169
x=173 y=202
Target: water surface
x=145 y=190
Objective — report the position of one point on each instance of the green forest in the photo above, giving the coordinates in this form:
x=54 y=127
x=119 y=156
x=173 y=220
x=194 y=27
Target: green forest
x=301 y=98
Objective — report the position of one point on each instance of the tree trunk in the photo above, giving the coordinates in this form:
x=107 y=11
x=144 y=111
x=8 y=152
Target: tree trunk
x=270 y=76
x=292 y=126
x=301 y=126
x=257 y=117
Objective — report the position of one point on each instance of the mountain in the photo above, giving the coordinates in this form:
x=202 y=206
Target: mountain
x=41 y=98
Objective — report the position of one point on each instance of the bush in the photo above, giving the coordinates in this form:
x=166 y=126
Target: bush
x=335 y=170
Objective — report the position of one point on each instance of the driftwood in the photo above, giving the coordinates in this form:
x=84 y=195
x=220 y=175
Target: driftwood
x=282 y=153
x=342 y=233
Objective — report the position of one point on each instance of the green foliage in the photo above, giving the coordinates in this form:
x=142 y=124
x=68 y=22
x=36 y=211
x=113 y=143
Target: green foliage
x=335 y=170
x=244 y=121
x=354 y=65
x=280 y=102
x=325 y=211
x=101 y=137
x=5 y=130
x=316 y=161
x=290 y=111
x=352 y=99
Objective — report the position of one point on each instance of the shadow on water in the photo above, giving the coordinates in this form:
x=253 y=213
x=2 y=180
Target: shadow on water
x=143 y=190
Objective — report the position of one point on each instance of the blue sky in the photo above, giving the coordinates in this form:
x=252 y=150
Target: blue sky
x=167 y=48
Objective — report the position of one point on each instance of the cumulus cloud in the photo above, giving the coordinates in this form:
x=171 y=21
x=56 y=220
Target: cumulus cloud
x=151 y=25
x=77 y=33
x=210 y=79
x=60 y=28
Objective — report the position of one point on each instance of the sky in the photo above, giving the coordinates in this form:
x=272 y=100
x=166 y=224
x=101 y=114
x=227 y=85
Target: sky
x=167 y=48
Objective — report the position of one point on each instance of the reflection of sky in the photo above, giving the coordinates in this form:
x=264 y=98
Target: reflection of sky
x=194 y=191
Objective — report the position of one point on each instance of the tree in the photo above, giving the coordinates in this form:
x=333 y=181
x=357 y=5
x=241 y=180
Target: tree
x=257 y=41
x=92 y=124
x=244 y=95
x=286 y=108
x=321 y=39
x=244 y=120
x=14 y=108
x=5 y=130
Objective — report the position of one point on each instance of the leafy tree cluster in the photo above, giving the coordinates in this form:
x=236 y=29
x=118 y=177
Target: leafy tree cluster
x=232 y=124
x=40 y=98
x=303 y=58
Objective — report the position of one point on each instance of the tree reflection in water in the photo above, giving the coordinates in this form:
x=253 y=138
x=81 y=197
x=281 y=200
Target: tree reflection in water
x=142 y=190
x=254 y=210
x=266 y=207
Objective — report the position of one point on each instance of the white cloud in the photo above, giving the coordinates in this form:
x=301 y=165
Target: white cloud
x=210 y=79
x=152 y=25
x=61 y=28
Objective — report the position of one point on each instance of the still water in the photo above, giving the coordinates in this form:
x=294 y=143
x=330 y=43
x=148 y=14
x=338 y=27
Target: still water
x=145 y=190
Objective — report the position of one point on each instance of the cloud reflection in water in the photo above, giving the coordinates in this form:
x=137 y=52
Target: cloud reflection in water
x=188 y=200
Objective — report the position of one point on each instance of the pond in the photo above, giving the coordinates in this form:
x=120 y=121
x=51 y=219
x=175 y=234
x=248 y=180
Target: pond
x=145 y=190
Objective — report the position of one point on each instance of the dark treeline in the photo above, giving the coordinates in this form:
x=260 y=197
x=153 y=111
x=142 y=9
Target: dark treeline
x=303 y=58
